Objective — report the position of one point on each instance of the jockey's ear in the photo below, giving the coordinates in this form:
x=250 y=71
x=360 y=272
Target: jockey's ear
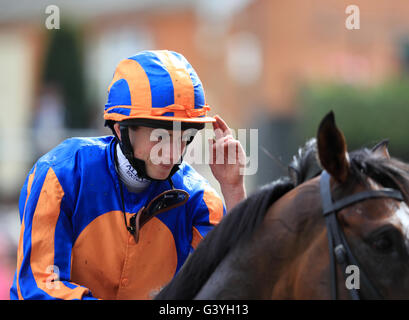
x=117 y=130
x=381 y=149
x=332 y=149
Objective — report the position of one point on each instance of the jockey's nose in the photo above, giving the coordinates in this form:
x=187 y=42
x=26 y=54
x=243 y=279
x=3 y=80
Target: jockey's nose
x=172 y=150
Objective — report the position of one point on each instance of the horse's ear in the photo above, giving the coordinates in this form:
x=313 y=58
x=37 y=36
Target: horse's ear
x=332 y=149
x=381 y=149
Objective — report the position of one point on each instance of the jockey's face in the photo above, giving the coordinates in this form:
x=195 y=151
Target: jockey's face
x=160 y=149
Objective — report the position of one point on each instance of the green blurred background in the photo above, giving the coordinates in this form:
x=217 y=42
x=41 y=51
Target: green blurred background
x=366 y=115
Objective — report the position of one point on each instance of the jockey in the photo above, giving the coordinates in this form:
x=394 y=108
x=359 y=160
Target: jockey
x=115 y=217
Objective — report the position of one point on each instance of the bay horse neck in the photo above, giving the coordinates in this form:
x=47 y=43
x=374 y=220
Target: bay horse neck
x=292 y=226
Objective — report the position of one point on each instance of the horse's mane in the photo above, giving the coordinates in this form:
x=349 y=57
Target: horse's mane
x=390 y=173
x=236 y=228
x=305 y=165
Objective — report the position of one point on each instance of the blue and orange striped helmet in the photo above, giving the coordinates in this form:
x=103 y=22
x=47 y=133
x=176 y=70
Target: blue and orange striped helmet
x=157 y=85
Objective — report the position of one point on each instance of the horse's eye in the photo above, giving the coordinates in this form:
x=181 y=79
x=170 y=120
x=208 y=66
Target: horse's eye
x=383 y=243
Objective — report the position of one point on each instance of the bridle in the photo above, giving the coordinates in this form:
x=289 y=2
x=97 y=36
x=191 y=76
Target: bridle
x=338 y=246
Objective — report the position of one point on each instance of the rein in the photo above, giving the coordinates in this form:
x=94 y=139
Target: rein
x=339 y=249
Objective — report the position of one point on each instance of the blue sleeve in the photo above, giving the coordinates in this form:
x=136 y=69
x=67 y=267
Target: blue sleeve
x=209 y=211
x=44 y=250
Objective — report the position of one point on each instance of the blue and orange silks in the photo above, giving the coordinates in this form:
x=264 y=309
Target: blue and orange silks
x=73 y=241
x=156 y=84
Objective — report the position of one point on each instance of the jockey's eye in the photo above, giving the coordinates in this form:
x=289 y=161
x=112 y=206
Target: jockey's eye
x=188 y=135
x=159 y=135
x=163 y=138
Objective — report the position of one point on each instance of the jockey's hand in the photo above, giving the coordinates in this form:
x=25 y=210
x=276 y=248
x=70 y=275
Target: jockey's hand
x=227 y=163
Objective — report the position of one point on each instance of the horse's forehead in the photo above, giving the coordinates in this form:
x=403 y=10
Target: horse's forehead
x=394 y=207
x=374 y=185
x=383 y=210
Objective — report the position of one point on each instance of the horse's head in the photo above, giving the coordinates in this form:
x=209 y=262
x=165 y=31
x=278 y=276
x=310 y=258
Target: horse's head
x=292 y=237
x=367 y=223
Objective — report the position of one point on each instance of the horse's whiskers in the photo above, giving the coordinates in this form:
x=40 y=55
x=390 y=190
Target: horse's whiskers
x=275 y=159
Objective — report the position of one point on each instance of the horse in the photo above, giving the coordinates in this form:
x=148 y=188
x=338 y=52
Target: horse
x=301 y=236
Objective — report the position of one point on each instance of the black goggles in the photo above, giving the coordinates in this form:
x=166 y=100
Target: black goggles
x=163 y=202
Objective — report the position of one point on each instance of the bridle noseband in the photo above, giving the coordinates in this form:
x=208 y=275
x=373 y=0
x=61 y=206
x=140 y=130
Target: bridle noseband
x=338 y=246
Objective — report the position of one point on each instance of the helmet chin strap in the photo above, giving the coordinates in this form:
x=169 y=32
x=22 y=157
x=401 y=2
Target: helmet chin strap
x=138 y=164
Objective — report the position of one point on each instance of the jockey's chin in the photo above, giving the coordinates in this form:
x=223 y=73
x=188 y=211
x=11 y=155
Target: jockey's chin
x=159 y=171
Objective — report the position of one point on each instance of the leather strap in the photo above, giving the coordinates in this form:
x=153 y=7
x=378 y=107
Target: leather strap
x=339 y=249
x=138 y=220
